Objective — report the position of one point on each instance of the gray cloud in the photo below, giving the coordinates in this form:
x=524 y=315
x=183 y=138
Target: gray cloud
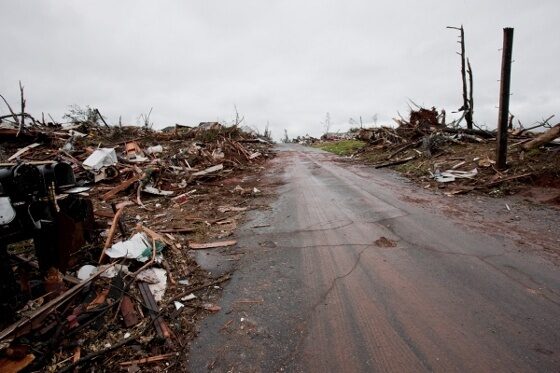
x=287 y=62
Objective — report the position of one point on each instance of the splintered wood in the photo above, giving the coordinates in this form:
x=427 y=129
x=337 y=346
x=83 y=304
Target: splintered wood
x=211 y=245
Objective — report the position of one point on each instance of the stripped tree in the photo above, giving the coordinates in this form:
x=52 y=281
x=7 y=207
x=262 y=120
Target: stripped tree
x=468 y=101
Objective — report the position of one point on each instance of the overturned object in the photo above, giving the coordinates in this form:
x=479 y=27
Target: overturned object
x=100 y=158
x=101 y=163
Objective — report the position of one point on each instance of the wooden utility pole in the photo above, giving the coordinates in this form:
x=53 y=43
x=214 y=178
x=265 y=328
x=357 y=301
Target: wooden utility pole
x=505 y=83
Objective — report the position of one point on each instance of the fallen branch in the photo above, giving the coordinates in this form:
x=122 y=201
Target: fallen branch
x=211 y=245
x=119 y=188
x=11 y=111
x=93 y=355
x=490 y=184
x=540 y=124
x=481 y=133
x=394 y=163
x=545 y=137
x=200 y=287
x=405 y=147
x=509 y=178
x=150 y=359
x=22 y=151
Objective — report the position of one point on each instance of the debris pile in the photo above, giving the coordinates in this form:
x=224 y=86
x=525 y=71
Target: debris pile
x=305 y=140
x=98 y=226
x=459 y=160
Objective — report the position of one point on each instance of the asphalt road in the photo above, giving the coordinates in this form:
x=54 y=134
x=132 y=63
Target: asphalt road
x=345 y=274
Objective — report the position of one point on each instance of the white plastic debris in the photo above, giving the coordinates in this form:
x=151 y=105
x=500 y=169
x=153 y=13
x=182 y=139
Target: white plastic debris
x=75 y=133
x=178 y=305
x=255 y=191
x=86 y=272
x=108 y=271
x=7 y=212
x=452 y=175
x=131 y=249
x=191 y=296
x=154 y=149
x=78 y=189
x=155 y=191
x=100 y=158
x=156 y=279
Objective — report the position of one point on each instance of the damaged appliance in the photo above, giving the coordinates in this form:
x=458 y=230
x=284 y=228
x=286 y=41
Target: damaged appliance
x=33 y=205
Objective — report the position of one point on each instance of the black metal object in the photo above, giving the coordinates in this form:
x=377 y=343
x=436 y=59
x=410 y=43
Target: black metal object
x=30 y=209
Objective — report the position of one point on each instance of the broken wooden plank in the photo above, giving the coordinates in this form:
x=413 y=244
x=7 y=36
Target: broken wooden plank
x=209 y=170
x=211 y=245
x=178 y=230
x=23 y=150
x=150 y=359
x=50 y=306
x=509 y=178
x=13 y=366
x=104 y=214
x=98 y=300
x=128 y=312
x=162 y=329
x=119 y=188
x=111 y=233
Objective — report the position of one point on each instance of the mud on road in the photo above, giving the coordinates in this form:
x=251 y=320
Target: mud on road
x=354 y=269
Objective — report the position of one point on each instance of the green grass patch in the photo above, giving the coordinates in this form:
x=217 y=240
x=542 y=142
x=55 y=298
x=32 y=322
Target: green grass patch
x=342 y=147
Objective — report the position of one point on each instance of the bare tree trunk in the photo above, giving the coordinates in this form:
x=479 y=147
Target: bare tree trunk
x=547 y=136
x=10 y=109
x=101 y=117
x=468 y=117
x=21 y=123
x=470 y=110
x=466 y=108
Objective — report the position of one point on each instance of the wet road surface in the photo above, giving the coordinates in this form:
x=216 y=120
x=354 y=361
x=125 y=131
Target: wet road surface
x=342 y=274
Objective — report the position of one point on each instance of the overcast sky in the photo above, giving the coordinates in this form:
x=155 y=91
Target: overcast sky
x=283 y=61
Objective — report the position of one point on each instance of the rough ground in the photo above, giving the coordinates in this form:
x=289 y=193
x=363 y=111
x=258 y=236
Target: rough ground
x=355 y=269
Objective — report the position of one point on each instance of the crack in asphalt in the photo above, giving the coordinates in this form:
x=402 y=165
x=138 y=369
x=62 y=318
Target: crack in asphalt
x=337 y=278
x=323 y=297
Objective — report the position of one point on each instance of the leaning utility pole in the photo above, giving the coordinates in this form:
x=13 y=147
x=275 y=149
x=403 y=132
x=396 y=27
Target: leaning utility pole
x=505 y=83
